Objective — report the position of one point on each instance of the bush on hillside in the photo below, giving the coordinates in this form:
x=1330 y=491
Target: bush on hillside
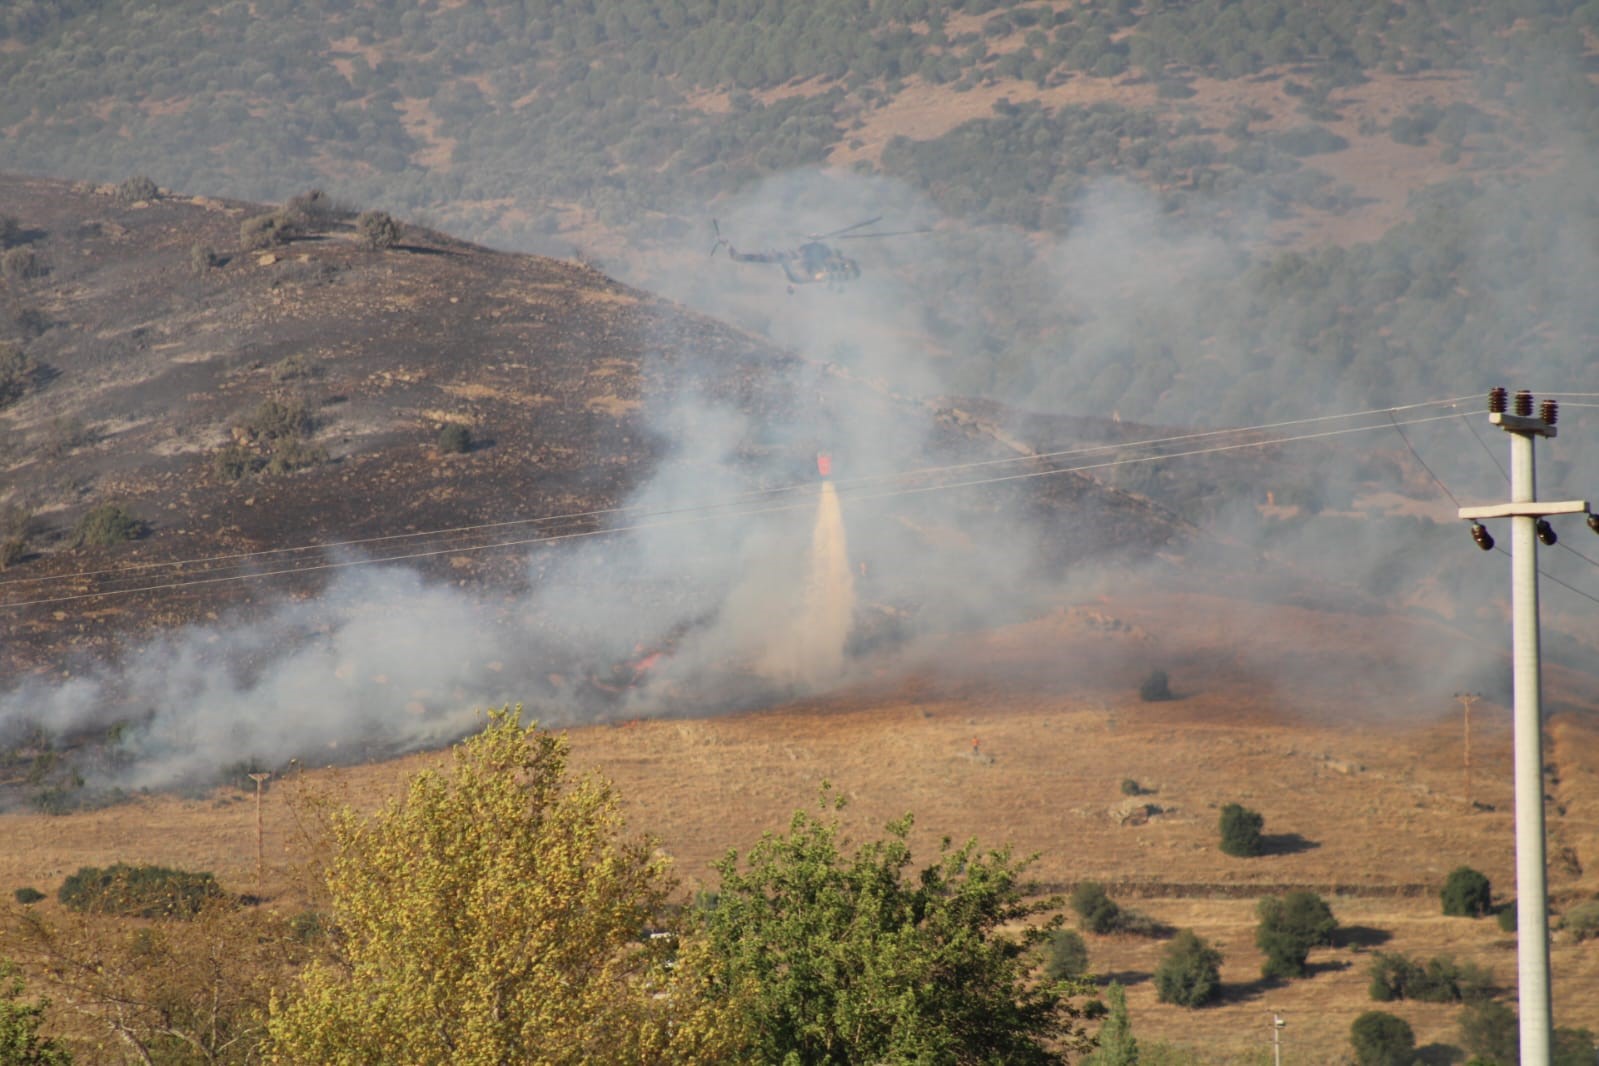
x=1582 y=921
x=1067 y=956
x=16 y=373
x=1466 y=894
x=1395 y=976
x=455 y=440
x=1156 y=688
x=137 y=188
x=1240 y=831
x=1189 y=973
x=106 y=525
x=23 y=264
x=377 y=229
x=1289 y=928
x=1489 y=1032
x=138 y=891
x=1382 y=1039
x=264 y=231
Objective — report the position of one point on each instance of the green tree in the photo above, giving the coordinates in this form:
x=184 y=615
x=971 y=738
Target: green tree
x=1189 y=973
x=20 y=1042
x=496 y=914
x=1382 y=1039
x=847 y=959
x=1117 y=1045
x=1068 y=956
x=1467 y=894
x=1289 y=927
x=1240 y=831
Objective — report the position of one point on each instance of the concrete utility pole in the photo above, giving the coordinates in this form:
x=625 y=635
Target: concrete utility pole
x=1529 y=524
x=1466 y=700
x=1277 y=1024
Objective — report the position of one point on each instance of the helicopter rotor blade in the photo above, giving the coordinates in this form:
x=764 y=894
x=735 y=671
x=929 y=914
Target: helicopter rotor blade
x=890 y=233
x=719 y=239
x=846 y=229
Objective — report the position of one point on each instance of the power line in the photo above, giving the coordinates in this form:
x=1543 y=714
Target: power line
x=1404 y=437
x=239 y=557
x=692 y=515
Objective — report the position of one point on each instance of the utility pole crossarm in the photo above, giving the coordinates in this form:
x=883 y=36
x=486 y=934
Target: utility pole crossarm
x=1526 y=509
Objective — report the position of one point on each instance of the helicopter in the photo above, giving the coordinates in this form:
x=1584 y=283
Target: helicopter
x=813 y=261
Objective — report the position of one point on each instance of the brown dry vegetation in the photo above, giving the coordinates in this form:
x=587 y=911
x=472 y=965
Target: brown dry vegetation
x=1363 y=801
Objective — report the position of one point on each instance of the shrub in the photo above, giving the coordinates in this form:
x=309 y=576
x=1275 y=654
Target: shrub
x=138 y=891
x=106 y=525
x=10 y=231
x=1382 y=1039
x=1582 y=921
x=292 y=368
x=295 y=454
x=16 y=373
x=1240 y=831
x=1507 y=917
x=1096 y=911
x=23 y=264
x=28 y=894
x=12 y=551
x=1131 y=787
x=1440 y=980
x=274 y=420
x=377 y=229
x=1572 y=1047
x=263 y=231
x=1068 y=956
x=312 y=210
x=1189 y=973
x=1156 y=688
x=201 y=258
x=1466 y=893
x=137 y=188
x=1289 y=927
x=455 y=440
x=1488 y=1030
x=235 y=462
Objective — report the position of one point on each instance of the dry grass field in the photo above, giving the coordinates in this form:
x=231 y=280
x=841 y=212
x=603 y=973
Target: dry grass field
x=1363 y=799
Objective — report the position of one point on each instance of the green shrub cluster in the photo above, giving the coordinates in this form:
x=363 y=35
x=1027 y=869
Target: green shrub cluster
x=1395 y=976
x=139 y=891
x=1382 y=1039
x=264 y=231
x=1466 y=894
x=135 y=189
x=1066 y=957
x=454 y=439
x=1240 y=831
x=273 y=438
x=1189 y=973
x=377 y=229
x=1289 y=928
x=106 y=525
x=1097 y=913
x=1581 y=922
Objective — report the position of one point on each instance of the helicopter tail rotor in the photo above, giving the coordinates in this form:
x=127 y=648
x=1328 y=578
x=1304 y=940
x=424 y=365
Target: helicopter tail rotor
x=720 y=240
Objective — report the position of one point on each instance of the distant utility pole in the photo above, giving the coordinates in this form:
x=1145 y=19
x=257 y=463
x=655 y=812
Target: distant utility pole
x=1529 y=525
x=259 y=777
x=1277 y=1024
x=1466 y=700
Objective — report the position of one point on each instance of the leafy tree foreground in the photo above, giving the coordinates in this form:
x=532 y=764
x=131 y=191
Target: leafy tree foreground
x=495 y=914
x=500 y=913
